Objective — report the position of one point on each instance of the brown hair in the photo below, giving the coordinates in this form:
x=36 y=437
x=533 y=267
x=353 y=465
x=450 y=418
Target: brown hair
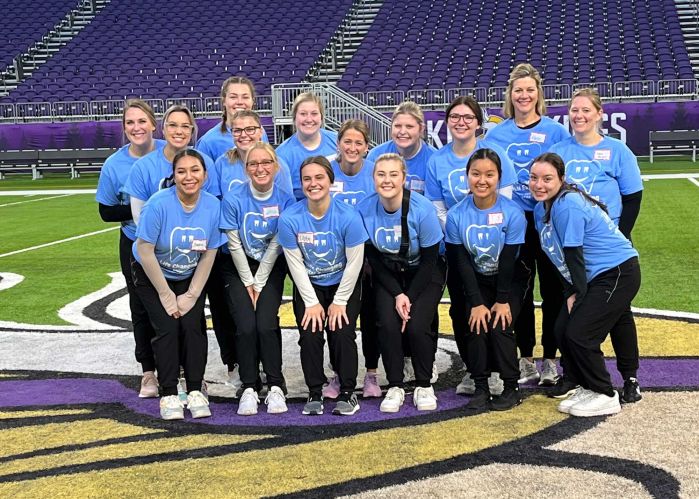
x=320 y=161
x=234 y=80
x=469 y=101
x=233 y=154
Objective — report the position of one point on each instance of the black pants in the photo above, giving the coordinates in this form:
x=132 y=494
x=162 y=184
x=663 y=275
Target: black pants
x=605 y=306
x=342 y=342
x=176 y=340
x=221 y=318
x=496 y=350
x=419 y=333
x=370 y=341
x=459 y=320
x=142 y=331
x=551 y=291
x=258 y=335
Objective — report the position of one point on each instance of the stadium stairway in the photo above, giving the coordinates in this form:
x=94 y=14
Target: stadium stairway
x=64 y=31
x=688 y=14
x=349 y=35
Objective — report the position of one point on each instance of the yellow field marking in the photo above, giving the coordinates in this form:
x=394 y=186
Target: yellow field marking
x=42 y=413
x=121 y=451
x=304 y=466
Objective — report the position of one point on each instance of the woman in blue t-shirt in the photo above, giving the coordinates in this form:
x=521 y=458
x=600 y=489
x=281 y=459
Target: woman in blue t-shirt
x=139 y=125
x=323 y=241
x=176 y=244
x=254 y=276
x=408 y=274
x=601 y=276
x=484 y=233
x=606 y=169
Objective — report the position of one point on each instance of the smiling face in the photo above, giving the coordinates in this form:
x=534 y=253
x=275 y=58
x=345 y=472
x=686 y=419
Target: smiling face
x=389 y=178
x=524 y=96
x=462 y=122
x=315 y=182
x=584 y=116
x=406 y=131
x=238 y=96
x=308 y=118
x=190 y=176
x=241 y=129
x=261 y=168
x=483 y=178
x=178 y=130
x=544 y=181
x=138 y=127
x=352 y=146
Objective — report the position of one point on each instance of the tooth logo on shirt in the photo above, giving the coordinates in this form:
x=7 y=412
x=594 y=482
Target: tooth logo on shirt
x=234 y=183
x=483 y=242
x=257 y=232
x=350 y=197
x=583 y=173
x=387 y=240
x=322 y=253
x=458 y=184
x=550 y=245
x=181 y=239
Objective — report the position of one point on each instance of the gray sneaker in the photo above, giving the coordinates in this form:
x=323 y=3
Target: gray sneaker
x=527 y=371
x=467 y=386
x=314 y=406
x=347 y=405
x=549 y=373
x=495 y=384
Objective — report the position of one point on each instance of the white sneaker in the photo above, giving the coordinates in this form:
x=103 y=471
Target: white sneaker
x=408 y=371
x=549 y=373
x=393 y=400
x=527 y=371
x=248 y=403
x=234 y=378
x=198 y=404
x=495 y=384
x=467 y=385
x=579 y=394
x=596 y=404
x=276 y=401
x=171 y=408
x=424 y=398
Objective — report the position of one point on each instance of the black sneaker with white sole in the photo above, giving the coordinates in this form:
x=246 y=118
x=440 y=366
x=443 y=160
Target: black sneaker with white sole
x=562 y=388
x=631 y=392
x=314 y=406
x=347 y=404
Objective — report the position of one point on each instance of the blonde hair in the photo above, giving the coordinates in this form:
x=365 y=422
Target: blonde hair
x=233 y=154
x=524 y=70
x=410 y=108
x=391 y=156
x=307 y=97
x=181 y=108
x=595 y=99
x=268 y=149
x=143 y=106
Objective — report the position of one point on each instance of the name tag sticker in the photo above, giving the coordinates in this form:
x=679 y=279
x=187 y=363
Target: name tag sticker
x=603 y=154
x=417 y=185
x=537 y=137
x=495 y=218
x=305 y=238
x=338 y=186
x=198 y=244
x=397 y=230
x=270 y=211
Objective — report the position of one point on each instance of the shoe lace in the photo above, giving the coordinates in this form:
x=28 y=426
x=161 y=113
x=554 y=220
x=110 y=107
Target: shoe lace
x=275 y=397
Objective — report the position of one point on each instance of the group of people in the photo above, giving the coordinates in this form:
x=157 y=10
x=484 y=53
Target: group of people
x=372 y=233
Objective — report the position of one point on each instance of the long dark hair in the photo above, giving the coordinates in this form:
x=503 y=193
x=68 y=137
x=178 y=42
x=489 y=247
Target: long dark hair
x=557 y=162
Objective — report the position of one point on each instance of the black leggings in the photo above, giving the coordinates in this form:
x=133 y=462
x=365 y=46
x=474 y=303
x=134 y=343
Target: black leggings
x=221 y=318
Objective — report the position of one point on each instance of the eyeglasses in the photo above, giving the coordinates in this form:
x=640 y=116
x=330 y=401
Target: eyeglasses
x=265 y=163
x=455 y=118
x=249 y=130
x=175 y=126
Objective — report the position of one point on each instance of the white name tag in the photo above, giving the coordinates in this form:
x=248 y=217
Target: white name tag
x=495 y=218
x=417 y=185
x=603 y=154
x=270 y=211
x=397 y=230
x=305 y=238
x=537 y=137
x=198 y=244
x=337 y=187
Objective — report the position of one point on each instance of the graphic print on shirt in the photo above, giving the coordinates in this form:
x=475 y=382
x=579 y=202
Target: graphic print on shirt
x=583 y=172
x=458 y=185
x=235 y=183
x=550 y=245
x=483 y=242
x=321 y=252
x=388 y=239
x=522 y=155
x=257 y=231
x=185 y=245
x=350 y=197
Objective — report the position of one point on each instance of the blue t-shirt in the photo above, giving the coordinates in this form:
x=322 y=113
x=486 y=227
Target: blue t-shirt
x=179 y=237
x=605 y=171
x=112 y=180
x=522 y=145
x=417 y=165
x=446 y=173
x=294 y=153
x=231 y=175
x=484 y=233
x=385 y=232
x=576 y=222
x=148 y=175
x=215 y=142
x=254 y=219
x=322 y=242
x=353 y=188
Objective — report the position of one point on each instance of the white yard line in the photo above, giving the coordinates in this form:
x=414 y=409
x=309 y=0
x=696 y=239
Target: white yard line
x=669 y=176
x=694 y=181
x=58 y=242
x=34 y=200
x=47 y=192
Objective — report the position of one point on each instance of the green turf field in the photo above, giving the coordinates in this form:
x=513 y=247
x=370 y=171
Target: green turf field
x=666 y=235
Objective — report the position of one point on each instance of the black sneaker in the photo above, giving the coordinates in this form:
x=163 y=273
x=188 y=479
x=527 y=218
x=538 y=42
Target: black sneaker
x=510 y=398
x=314 y=406
x=562 y=388
x=479 y=400
x=347 y=404
x=631 y=392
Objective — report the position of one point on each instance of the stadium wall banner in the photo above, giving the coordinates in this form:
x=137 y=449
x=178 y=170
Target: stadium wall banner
x=630 y=122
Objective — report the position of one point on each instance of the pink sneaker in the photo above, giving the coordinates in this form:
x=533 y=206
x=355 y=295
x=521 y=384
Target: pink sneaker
x=371 y=386
x=332 y=389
